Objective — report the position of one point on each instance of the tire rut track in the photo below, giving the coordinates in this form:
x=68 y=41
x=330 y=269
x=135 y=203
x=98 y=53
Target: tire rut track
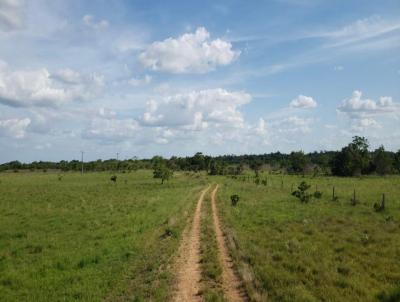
x=230 y=282
x=188 y=263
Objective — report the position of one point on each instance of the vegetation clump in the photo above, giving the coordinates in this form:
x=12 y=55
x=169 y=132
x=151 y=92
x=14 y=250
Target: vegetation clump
x=113 y=178
x=161 y=170
x=301 y=192
x=379 y=207
x=317 y=194
x=234 y=199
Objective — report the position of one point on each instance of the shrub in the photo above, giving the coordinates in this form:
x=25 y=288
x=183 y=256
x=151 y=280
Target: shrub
x=234 y=199
x=301 y=192
x=317 y=194
x=113 y=178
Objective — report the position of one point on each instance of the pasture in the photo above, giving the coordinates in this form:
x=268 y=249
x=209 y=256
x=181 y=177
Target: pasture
x=323 y=250
x=84 y=238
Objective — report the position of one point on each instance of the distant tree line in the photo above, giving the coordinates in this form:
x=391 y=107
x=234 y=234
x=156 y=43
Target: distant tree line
x=355 y=159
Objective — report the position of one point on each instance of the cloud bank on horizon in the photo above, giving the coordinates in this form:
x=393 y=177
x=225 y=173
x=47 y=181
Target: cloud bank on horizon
x=145 y=79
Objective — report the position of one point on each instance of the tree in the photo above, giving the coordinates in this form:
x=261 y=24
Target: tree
x=298 y=162
x=198 y=162
x=397 y=161
x=353 y=159
x=256 y=165
x=161 y=171
x=301 y=192
x=382 y=161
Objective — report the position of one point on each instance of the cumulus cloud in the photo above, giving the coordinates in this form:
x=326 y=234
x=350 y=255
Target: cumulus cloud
x=189 y=53
x=210 y=116
x=15 y=128
x=197 y=109
x=37 y=87
x=356 y=106
x=90 y=21
x=303 y=101
x=11 y=14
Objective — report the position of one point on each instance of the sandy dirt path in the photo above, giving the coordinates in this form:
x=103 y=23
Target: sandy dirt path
x=188 y=262
x=230 y=282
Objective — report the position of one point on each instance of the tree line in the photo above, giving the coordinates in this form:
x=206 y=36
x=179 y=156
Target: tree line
x=355 y=159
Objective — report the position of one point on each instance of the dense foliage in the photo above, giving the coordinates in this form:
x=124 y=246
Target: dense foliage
x=352 y=160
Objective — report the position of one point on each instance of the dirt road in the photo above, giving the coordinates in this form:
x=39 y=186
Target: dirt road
x=188 y=280
x=231 y=283
x=188 y=263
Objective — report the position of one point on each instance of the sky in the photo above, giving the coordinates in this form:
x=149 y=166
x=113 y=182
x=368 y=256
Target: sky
x=144 y=78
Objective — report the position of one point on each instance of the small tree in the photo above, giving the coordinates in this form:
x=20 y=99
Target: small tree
x=234 y=199
x=161 y=171
x=301 y=192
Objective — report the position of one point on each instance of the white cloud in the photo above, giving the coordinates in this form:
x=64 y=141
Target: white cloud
x=113 y=130
x=338 y=68
x=27 y=88
x=189 y=53
x=140 y=81
x=89 y=21
x=367 y=114
x=11 y=14
x=197 y=109
x=261 y=127
x=357 y=106
x=68 y=76
x=15 y=128
x=364 y=124
x=294 y=124
x=303 y=101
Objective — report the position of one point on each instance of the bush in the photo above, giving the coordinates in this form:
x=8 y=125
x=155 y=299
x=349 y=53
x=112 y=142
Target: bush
x=234 y=199
x=317 y=194
x=301 y=192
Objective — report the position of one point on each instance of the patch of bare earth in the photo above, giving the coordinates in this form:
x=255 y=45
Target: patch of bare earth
x=231 y=282
x=188 y=262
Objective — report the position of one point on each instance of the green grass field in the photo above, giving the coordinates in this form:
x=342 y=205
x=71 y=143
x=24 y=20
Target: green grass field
x=85 y=238
x=321 y=251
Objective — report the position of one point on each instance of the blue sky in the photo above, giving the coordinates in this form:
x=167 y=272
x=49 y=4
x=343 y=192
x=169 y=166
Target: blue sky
x=175 y=77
